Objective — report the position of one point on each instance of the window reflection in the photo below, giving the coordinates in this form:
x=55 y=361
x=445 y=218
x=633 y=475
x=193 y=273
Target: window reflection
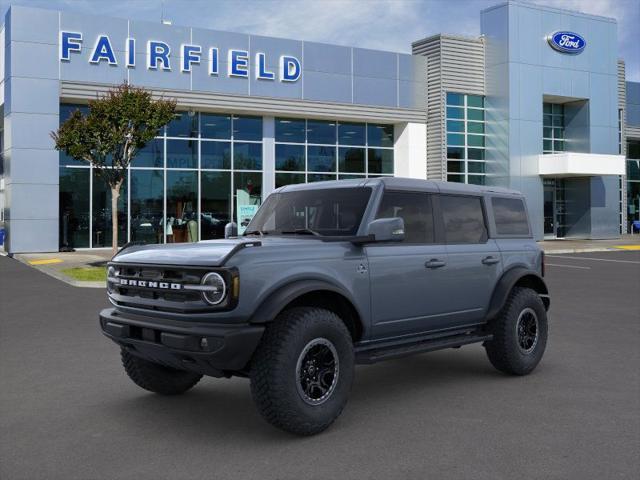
x=321 y=159
x=283 y=179
x=102 y=230
x=74 y=207
x=290 y=130
x=215 y=204
x=182 y=197
x=184 y=124
x=351 y=133
x=380 y=135
x=290 y=157
x=351 y=160
x=320 y=131
x=380 y=161
x=147 y=188
x=247 y=128
x=151 y=155
x=215 y=126
x=247 y=156
x=182 y=153
x=215 y=155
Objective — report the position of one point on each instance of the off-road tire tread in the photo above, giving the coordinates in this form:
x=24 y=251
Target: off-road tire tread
x=157 y=378
x=502 y=350
x=267 y=388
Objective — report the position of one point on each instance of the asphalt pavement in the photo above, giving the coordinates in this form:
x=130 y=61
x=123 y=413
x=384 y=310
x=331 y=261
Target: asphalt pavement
x=68 y=411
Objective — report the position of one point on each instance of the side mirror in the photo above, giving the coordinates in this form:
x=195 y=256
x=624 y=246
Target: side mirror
x=386 y=229
x=230 y=230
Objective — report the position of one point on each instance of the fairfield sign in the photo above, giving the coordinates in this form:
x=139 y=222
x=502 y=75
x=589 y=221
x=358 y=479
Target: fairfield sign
x=159 y=56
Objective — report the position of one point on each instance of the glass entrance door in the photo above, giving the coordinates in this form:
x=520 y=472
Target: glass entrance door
x=555 y=208
x=549 y=208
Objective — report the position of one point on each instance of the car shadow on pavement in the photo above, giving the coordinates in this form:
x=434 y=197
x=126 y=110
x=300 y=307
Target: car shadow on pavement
x=224 y=407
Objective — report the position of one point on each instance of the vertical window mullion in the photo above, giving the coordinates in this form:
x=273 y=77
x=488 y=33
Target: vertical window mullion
x=164 y=190
x=91 y=206
x=233 y=165
x=466 y=133
x=128 y=204
x=199 y=179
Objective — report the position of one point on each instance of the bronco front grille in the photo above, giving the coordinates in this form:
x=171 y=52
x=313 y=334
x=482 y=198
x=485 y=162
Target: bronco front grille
x=156 y=287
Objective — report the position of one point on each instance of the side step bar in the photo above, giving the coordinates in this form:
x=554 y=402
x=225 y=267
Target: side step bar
x=373 y=355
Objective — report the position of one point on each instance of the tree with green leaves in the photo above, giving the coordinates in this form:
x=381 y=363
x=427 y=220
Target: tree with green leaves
x=110 y=135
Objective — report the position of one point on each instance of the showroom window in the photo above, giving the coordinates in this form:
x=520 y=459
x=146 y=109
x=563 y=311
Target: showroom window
x=552 y=128
x=181 y=187
x=465 y=130
x=633 y=182
x=315 y=150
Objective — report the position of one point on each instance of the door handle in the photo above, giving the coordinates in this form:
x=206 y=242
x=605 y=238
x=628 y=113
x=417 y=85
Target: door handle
x=434 y=263
x=490 y=260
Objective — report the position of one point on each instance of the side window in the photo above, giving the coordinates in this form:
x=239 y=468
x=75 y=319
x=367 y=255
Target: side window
x=510 y=215
x=416 y=211
x=463 y=219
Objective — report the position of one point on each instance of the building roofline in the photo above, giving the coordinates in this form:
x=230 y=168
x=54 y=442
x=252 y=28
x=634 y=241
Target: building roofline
x=521 y=3
x=193 y=27
x=467 y=38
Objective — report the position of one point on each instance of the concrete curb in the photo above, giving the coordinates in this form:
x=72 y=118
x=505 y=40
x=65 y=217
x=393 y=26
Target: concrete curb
x=61 y=277
x=581 y=250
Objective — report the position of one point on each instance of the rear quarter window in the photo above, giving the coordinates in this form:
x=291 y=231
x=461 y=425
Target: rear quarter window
x=510 y=216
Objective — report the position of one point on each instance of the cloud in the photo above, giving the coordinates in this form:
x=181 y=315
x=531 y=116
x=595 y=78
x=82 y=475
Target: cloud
x=378 y=24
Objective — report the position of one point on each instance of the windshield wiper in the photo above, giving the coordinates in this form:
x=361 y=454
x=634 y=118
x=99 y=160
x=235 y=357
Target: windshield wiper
x=301 y=231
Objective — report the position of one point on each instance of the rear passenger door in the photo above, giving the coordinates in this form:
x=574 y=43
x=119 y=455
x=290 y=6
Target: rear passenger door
x=474 y=261
x=408 y=294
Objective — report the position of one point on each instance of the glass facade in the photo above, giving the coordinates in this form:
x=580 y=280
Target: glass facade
x=465 y=130
x=633 y=181
x=316 y=150
x=185 y=184
x=180 y=188
x=552 y=128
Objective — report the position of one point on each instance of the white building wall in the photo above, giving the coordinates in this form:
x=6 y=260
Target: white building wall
x=410 y=150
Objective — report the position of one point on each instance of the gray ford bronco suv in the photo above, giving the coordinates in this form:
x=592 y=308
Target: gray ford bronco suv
x=328 y=275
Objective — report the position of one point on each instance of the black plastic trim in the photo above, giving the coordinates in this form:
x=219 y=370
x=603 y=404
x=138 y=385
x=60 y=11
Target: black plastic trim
x=506 y=284
x=177 y=344
x=269 y=308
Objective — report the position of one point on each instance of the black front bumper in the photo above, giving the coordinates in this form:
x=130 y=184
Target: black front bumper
x=210 y=349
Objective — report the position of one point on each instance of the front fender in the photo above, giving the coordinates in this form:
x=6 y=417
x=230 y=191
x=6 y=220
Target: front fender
x=281 y=297
x=509 y=279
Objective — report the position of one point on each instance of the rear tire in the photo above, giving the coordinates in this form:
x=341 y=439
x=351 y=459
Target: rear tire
x=157 y=378
x=302 y=371
x=519 y=333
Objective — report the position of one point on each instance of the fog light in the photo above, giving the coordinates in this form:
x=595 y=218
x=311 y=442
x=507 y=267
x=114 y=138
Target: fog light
x=204 y=343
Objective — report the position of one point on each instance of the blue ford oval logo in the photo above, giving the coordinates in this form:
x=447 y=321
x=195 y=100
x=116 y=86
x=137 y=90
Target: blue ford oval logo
x=567 y=42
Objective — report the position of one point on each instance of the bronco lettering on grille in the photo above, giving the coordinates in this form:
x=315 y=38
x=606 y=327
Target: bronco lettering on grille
x=148 y=284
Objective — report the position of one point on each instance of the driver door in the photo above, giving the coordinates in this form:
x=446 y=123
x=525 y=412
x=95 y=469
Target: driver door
x=407 y=287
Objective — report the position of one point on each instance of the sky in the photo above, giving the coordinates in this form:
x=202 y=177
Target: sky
x=378 y=24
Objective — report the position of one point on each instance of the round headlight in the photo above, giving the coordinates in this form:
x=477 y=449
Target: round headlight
x=216 y=288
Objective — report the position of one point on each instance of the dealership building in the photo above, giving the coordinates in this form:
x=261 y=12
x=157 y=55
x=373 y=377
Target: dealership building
x=538 y=103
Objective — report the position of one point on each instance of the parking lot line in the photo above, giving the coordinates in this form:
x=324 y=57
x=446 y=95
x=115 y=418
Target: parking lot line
x=568 y=266
x=47 y=261
x=593 y=259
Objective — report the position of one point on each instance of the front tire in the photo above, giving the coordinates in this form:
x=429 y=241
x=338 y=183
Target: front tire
x=302 y=371
x=157 y=378
x=519 y=333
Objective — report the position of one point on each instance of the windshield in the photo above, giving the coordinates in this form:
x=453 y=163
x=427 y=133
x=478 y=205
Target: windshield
x=325 y=212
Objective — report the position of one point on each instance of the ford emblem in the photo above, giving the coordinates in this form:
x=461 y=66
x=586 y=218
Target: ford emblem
x=567 y=42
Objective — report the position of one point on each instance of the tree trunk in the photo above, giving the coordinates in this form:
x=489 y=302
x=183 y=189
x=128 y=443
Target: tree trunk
x=115 y=194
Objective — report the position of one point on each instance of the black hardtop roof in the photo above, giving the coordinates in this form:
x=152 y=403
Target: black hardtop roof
x=402 y=183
